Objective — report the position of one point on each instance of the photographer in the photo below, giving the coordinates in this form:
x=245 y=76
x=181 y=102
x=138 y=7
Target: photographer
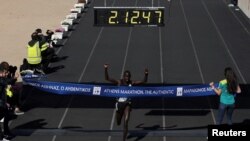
x=12 y=89
x=47 y=50
x=4 y=106
x=48 y=36
x=12 y=71
x=34 y=57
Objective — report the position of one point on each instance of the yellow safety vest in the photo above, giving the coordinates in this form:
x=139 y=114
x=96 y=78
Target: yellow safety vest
x=44 y=46
x=34 y=54
x=8 y=91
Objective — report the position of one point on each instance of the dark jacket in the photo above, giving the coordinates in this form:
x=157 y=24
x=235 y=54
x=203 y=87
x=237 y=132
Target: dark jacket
x=3 y=83
x=32 y=43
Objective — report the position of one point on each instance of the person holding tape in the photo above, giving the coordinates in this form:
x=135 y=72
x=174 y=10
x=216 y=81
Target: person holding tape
x=123 y=104
x=227 y=90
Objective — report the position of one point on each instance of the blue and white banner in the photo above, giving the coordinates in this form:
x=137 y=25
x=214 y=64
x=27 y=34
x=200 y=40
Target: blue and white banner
x=120 y=91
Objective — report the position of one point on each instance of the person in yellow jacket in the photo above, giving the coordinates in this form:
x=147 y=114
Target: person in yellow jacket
x=34 y=57
x=47 y=51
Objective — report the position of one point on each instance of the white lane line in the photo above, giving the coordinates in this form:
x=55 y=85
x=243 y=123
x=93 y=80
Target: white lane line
x=197 y=59
x=192 y=42
x=224 y=43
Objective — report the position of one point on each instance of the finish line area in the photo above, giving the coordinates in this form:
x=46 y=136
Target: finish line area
x=198 y=40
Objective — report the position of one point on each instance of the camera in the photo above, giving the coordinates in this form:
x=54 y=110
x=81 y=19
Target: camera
x=12 y=71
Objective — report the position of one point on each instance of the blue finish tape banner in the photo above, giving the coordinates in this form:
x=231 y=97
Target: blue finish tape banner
x=120 y=91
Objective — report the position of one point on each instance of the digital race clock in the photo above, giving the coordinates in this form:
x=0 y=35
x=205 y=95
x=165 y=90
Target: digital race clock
x=129 y=16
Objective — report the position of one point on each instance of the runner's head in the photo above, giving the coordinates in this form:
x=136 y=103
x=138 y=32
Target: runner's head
x=127 y=76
